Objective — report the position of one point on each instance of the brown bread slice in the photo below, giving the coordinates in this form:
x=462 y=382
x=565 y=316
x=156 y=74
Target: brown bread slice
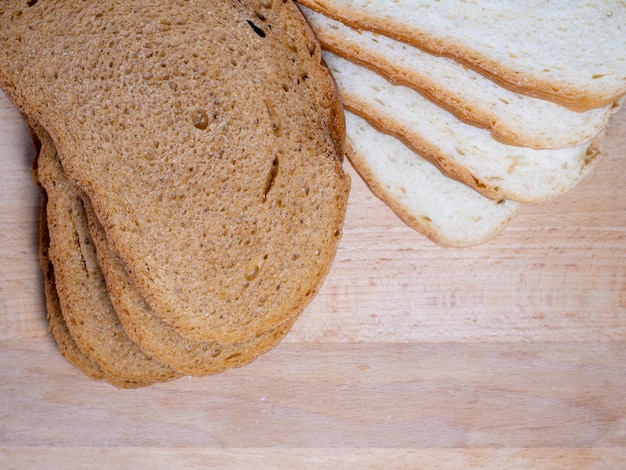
x=58 y=327
x=159 y=340
x=83 y=300
x=153 y=336
x=56 y=322
x=207 y=136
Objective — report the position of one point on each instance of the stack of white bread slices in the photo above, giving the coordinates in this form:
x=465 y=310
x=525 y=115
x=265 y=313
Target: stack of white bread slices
x=459 y=112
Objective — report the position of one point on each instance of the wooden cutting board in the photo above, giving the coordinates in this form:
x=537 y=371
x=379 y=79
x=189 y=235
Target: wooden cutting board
x=510 y=354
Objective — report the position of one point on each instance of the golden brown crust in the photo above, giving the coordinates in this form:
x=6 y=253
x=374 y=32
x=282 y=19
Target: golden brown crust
x=57 y=325
x=56 y=322
x=421 y=147
x=459 y=172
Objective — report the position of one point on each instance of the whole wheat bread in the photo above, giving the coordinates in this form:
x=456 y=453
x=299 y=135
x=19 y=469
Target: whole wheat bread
x=79 y=285
x=571 y=52
x=512 y=118
x=148 y=332
x=159 y=340
x=462 y=151
x=208 y=137
x=445 y=210
x=58 y=327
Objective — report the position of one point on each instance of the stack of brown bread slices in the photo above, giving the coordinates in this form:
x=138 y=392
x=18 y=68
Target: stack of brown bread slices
x=459 y=112
x=189 y=154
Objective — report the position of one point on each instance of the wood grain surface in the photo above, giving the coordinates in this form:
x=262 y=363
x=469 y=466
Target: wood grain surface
x=511 y=354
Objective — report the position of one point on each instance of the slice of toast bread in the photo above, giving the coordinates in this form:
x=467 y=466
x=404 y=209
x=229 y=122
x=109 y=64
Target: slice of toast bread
x=512 y=118
x=208 y=138
x=573 y=53
x=446 y=211
x=58 y=328
x=159 y=340
x=151 y=335
x=56 y=322
x=462 y=151
x=89 y=316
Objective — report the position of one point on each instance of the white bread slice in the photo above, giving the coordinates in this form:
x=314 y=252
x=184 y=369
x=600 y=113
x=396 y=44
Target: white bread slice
x=512 y=118
x=571 y=52
x=446 y=211
x=462 y=151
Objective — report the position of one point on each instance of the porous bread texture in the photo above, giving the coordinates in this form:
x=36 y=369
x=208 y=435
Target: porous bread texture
x=148 y=332
x=446 y=211
x=56 y=322
x=570 y=52
x=58 y=327
x=462 y=151
x=159 y=340
x=89 y=316
x=213 y=135
x=512 y=118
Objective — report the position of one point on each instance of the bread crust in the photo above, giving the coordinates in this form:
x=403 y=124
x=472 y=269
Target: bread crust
x=58 y=327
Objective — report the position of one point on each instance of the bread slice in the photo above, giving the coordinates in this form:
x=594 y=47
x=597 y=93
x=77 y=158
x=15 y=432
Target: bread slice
x=446 y=211
x=512 y=118
x=462 y=151
x=58 y=327
x=570 y=52
x=56 y=322
x=208 y=137
x=159 y=340
x=86 y=308
x=151 y=335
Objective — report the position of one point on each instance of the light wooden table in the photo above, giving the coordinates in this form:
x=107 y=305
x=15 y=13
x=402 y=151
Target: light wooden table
x=511 y=354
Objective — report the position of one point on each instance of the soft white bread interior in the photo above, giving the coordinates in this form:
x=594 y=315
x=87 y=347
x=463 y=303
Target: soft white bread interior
x=569 y=51
x=446 y=211
x=512 y=118
x=462 y=151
